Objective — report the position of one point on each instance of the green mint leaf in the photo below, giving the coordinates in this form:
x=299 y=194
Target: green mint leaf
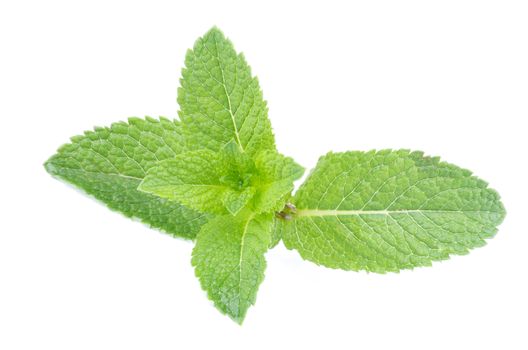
x=229 y=260
x=208 y=181
x=220 y=100
x=275 y=181
x=389 y=210
x=109 y=164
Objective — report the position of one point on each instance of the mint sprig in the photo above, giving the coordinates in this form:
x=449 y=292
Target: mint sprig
x=216 y=177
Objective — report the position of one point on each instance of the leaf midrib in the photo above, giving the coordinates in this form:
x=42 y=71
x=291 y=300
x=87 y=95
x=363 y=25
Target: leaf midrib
x=230 y=109
x=329 y=212
x=242 y=243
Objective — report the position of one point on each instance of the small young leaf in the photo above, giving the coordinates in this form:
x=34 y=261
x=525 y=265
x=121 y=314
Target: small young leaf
x=213 y=182
x=220 y=100
x=109 y=163
x=224 y=181
x=229 y=260
x=275 y=181
x=389 y=210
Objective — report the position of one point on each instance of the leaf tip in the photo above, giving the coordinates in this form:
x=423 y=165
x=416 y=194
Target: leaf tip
x=214 y=31
x=239 y=320
x=50 y=167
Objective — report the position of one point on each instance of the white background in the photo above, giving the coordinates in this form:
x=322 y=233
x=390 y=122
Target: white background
x=446 y=77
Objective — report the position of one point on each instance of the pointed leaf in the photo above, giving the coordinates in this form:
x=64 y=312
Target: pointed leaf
x=389 y=210
x=109 y=163
x=220 y=100
x=229 y=260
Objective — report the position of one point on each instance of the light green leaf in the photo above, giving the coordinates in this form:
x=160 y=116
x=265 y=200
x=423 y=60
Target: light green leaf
x=213 y=182
x=224 y=181
x=275 y=181
x=229 y=260
x=109 y=163
x=220 y=100
x=389 y=210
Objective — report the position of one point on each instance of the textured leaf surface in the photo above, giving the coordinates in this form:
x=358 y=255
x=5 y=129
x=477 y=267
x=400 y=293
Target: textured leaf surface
x=215 y=182
x=220 y=100
x=276 y=232
x=275 y=181
x=229 y=260
x=389 y=210
x=109 y=163
x=224 y=181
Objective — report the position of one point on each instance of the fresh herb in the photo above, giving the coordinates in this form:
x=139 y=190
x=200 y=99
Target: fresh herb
x=215 y=177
